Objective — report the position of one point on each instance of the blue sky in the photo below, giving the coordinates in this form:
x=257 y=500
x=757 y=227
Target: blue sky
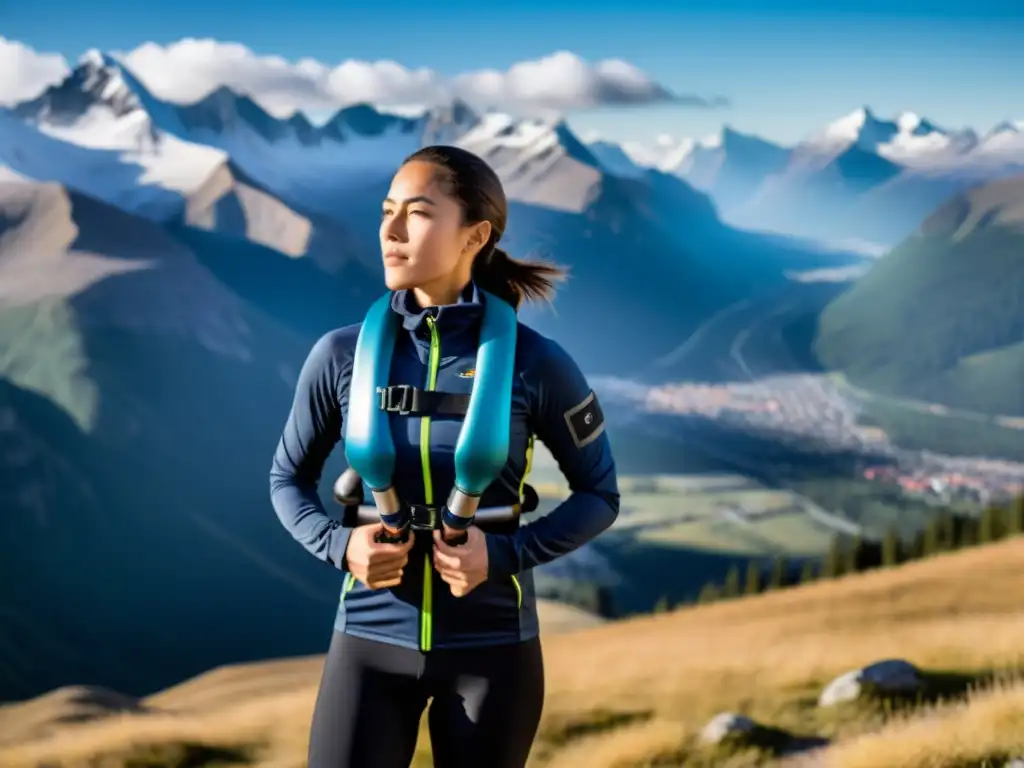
x=787 y=67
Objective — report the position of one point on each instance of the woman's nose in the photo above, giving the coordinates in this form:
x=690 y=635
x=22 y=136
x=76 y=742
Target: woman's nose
x=394 y=228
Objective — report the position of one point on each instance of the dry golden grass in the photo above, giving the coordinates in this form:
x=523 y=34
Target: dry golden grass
x=988 y=727
x=636 y=692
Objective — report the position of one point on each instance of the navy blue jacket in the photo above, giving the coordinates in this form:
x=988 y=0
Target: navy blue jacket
x=551 y=400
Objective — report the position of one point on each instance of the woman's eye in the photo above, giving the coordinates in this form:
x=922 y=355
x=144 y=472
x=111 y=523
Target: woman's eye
x=384 y=214
x=420 y=213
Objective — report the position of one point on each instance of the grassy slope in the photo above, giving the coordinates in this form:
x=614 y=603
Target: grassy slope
x=662 y=677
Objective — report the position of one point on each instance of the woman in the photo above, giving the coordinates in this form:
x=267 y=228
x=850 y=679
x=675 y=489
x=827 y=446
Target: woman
x=424 y=621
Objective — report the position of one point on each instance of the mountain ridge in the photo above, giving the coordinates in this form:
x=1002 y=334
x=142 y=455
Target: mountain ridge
x=932 y=315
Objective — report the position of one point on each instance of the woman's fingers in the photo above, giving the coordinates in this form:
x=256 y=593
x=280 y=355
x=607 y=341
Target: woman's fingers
x=385 y=576
x=454 y=579
x=385 y=583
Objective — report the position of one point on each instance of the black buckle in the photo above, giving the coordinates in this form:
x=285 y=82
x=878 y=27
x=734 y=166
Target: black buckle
x=422 y=517
x=387 y=398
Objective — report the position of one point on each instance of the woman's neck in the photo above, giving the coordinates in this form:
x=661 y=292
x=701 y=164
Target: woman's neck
x=435 y=295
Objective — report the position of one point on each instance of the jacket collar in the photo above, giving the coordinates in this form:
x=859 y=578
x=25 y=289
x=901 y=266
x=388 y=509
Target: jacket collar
x=452 y=320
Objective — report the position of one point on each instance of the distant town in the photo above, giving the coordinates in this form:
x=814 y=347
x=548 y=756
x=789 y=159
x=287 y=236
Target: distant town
x=804 y=408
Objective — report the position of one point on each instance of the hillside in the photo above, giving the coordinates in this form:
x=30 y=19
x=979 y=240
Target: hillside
x=637 y=692
x=232 y=204
x=940 y=319
x=120 y=352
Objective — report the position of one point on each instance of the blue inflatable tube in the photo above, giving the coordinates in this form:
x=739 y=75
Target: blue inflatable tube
x=482 y=447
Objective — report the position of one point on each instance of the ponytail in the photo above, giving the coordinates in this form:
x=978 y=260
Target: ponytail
x=515 y=280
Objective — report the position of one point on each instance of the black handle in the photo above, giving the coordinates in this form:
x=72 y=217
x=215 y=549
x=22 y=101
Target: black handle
x=384 y=536
x=457 y=540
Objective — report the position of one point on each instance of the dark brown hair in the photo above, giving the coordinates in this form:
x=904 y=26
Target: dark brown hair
x=470 y=181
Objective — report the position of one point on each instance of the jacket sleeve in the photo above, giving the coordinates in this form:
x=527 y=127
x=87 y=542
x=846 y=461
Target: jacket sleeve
x=567 y=418
x=311 y=432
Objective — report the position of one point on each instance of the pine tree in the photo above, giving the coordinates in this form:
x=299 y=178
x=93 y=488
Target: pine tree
x=891 y=548
x=853 y=555
x=948 y=532
x=988 y=525
x=832 y=567
x=1015 y=524
x=914 y=549
x=731 y=587
x=968 y=532
x=932 y=538
x=753 y=581
x=778 y=578
x=709 y=593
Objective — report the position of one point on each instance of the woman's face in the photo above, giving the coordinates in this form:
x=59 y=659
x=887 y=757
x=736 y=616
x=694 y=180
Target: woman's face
x=422 y=238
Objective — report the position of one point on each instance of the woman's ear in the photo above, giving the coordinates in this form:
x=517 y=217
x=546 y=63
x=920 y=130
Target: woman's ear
x=479 y=234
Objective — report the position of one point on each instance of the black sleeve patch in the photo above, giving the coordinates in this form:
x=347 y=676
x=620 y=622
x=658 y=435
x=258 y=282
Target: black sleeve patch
x=585 y=421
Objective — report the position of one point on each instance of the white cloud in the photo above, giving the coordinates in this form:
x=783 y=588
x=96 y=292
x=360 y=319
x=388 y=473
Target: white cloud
x=24 y=73
x=187 y=70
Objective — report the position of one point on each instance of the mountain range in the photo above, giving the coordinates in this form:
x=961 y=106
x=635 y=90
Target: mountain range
x=861 y=177
x=165 y=268
x=223 y=165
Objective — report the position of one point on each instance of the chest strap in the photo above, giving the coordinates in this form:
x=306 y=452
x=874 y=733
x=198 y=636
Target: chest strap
x=406 y=399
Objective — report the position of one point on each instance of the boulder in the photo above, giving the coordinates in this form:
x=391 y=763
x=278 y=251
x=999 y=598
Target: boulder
x=891 y=677
x=730 y=728
x=727 y=726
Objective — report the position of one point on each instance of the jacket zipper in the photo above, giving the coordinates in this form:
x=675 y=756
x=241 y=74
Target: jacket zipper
x=426 y=615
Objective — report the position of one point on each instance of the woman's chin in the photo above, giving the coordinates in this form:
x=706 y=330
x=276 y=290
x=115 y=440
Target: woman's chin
x=397 y=279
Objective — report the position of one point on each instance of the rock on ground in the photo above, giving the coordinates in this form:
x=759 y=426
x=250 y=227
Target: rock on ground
x=888 y=677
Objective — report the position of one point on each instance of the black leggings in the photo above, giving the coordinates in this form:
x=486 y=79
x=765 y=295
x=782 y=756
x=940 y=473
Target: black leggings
x=485 y=705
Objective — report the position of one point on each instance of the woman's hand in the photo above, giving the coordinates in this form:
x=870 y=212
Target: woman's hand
x=376 y=565
x=463 y=567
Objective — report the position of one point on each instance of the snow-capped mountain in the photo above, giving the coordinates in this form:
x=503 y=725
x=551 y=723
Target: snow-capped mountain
x=1004 y=140
x=667 y=153
x=93 y=133
x=908 y=139
x=860 y=177
x=875 y=179
x=176 y=148
x=159 y=153
x=104 y=133
x=91 y=84
x=731 y=165
x=539 y=163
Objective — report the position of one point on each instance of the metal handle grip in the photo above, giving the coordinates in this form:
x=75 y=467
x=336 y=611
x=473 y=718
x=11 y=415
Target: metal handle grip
x=368 y=514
